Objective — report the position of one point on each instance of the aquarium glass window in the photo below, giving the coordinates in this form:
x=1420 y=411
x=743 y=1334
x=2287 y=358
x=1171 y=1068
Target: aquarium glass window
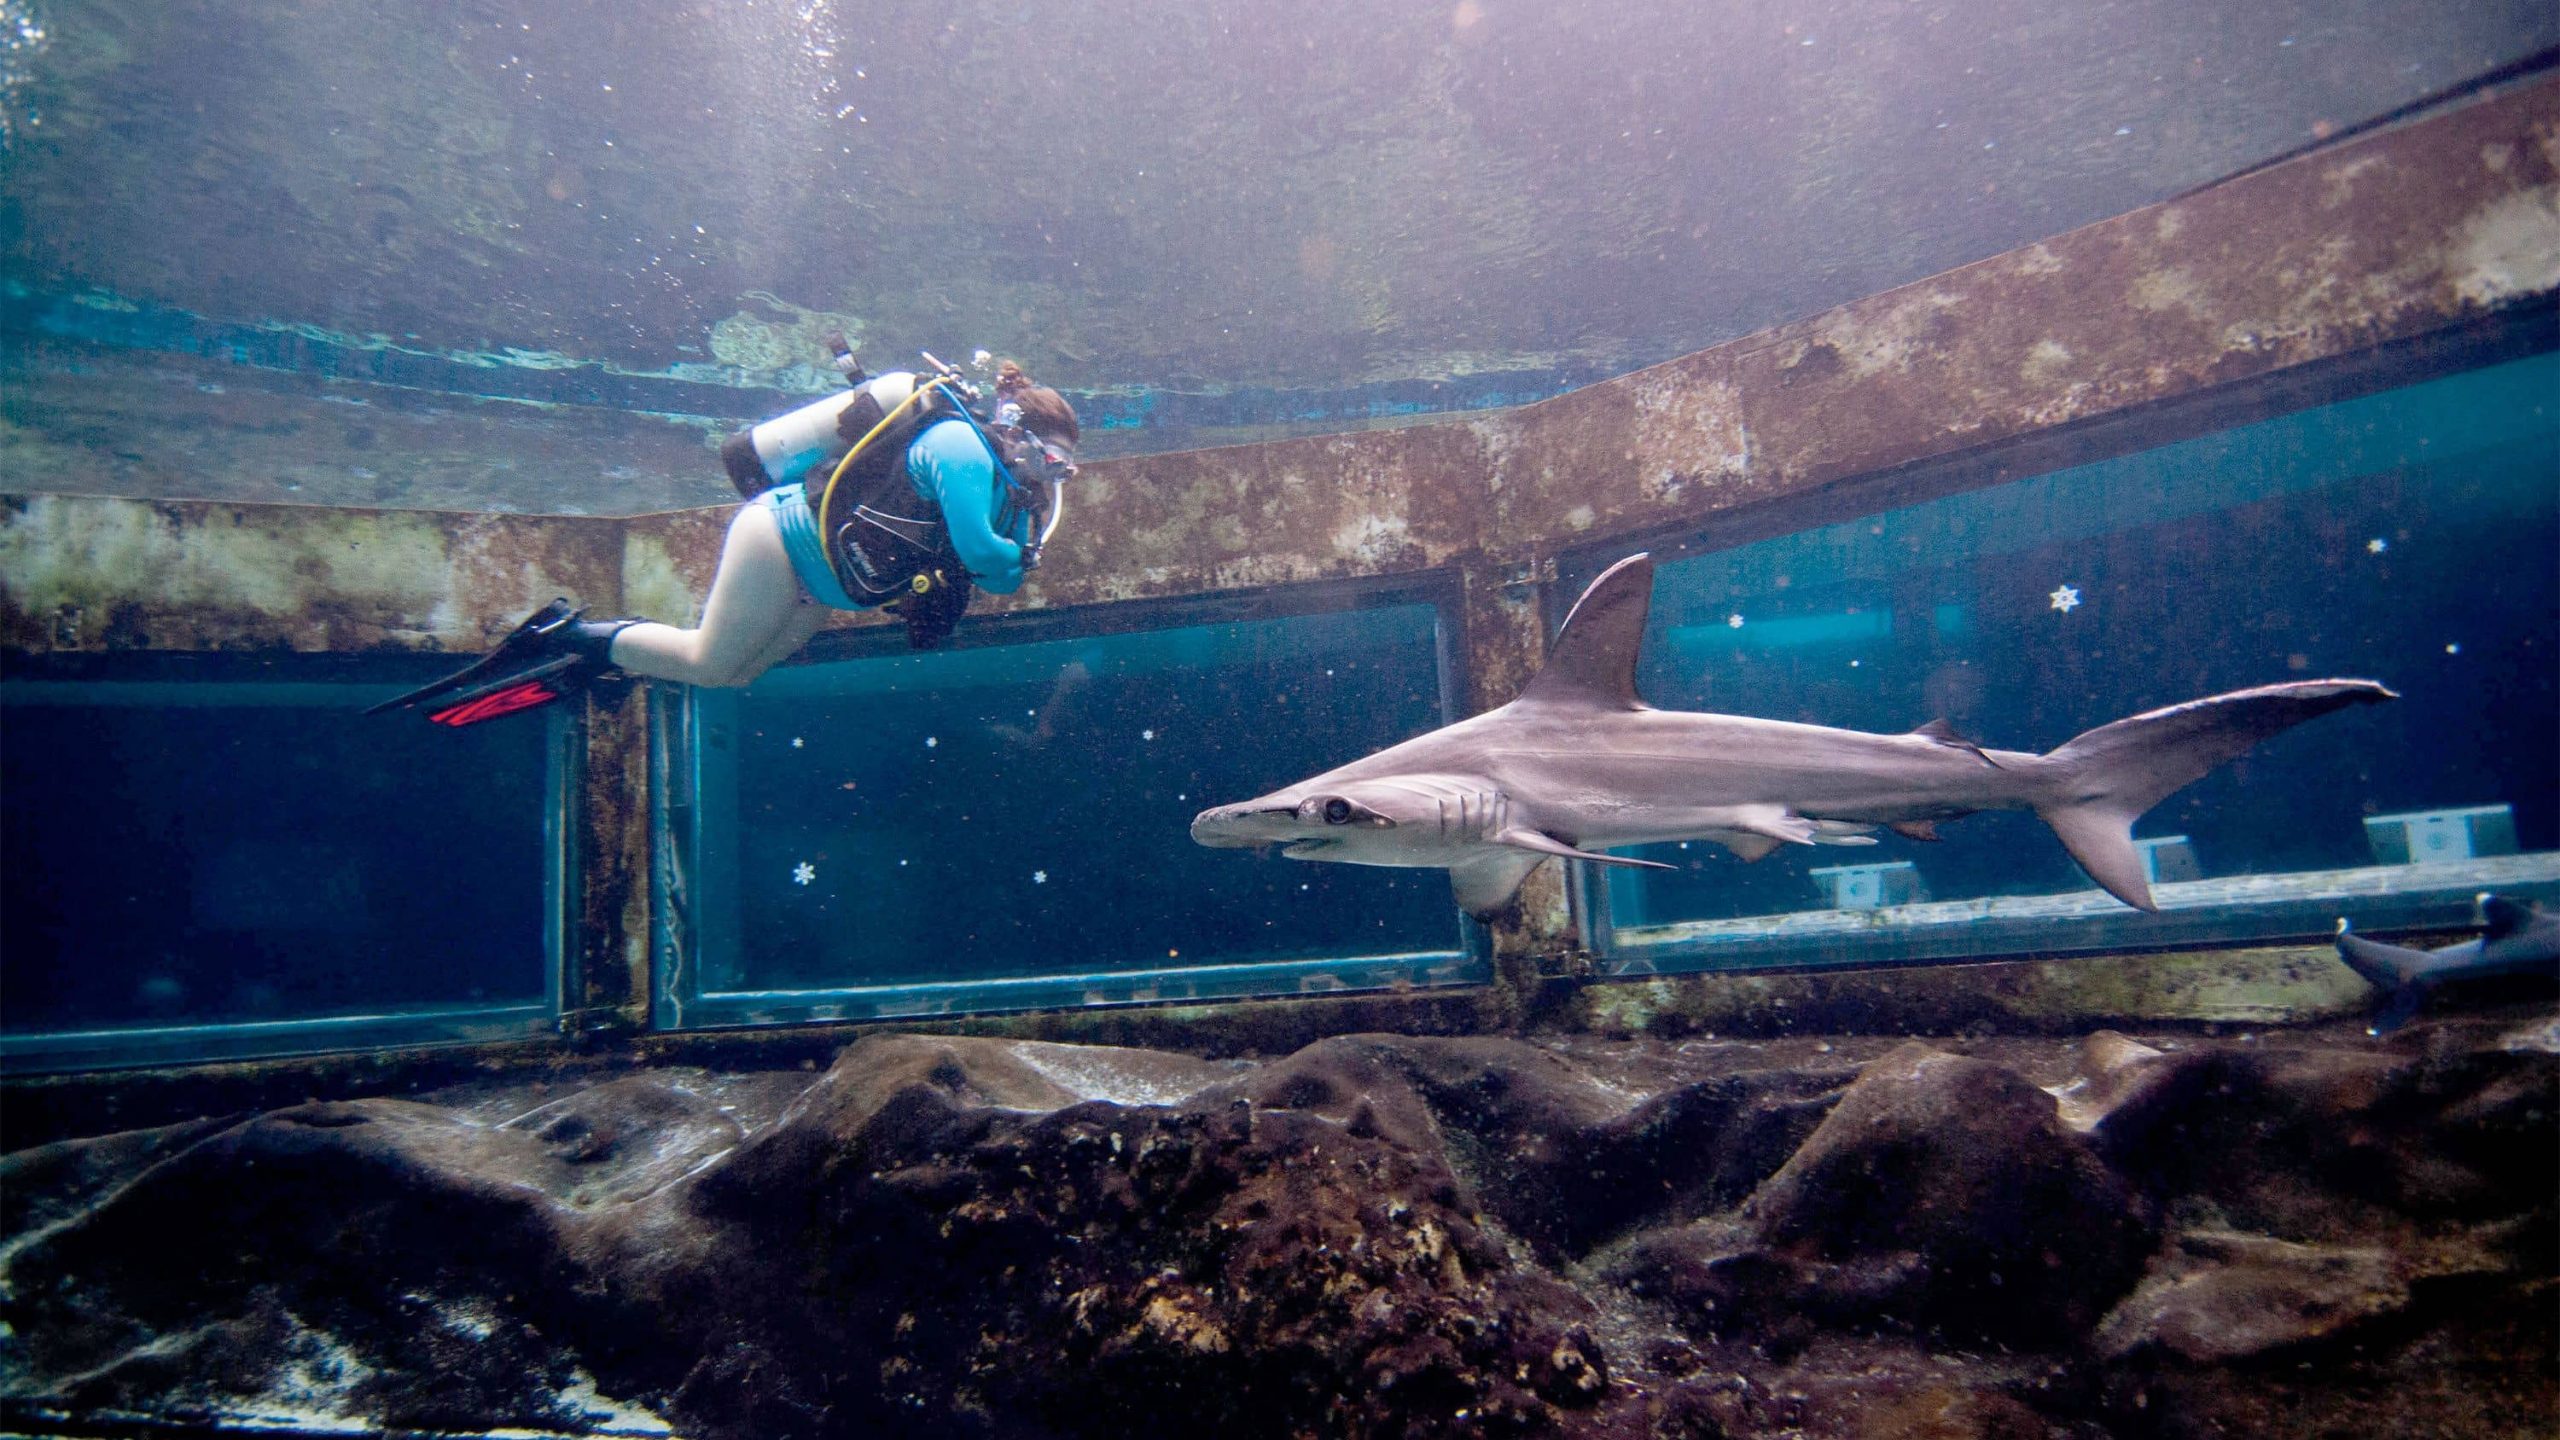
x=1007 y=827
x=2407 y=536
x=211 y=857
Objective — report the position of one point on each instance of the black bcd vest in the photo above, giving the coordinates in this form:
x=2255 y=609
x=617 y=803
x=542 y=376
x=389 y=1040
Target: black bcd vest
x=886 y=537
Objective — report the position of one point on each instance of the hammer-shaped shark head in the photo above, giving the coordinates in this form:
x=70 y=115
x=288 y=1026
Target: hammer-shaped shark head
x=1399 y=818
x=1307 y=818
x=1463 y=823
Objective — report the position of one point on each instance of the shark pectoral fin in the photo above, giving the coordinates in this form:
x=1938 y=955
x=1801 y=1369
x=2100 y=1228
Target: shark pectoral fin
x=1519 y=838
x=1487 y=883
x=1631 y=862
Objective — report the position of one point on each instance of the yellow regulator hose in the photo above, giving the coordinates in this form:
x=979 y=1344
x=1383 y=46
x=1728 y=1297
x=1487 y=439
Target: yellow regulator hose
x=826 y=497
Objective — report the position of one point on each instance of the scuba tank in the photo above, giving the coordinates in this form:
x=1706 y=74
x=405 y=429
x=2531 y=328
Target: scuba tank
x=785 y=448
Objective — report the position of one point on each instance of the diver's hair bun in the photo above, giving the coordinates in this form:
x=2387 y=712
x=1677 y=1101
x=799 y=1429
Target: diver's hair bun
x=1045 y=412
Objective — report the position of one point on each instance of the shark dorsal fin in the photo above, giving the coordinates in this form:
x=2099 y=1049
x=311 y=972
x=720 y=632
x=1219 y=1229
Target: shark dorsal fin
x=1945 y=734
x=1592 y=662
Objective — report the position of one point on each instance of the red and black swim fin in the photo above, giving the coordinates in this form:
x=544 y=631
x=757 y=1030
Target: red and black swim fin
x=546 y=658
x=554 y=679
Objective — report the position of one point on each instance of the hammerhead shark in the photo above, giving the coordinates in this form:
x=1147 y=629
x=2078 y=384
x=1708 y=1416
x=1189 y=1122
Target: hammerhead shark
x=2521 y=938
x=1579 y=760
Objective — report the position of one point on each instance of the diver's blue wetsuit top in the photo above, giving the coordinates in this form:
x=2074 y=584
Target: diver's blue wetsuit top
x=948 y=464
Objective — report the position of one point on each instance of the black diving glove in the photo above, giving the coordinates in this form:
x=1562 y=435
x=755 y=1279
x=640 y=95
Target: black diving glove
x=934 y=612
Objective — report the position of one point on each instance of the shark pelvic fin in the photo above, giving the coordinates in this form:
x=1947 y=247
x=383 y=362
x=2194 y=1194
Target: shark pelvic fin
x=1543 y=843
x=1755 y=832
x=1593 y=660
x=1775 y=821
x=1915 y=829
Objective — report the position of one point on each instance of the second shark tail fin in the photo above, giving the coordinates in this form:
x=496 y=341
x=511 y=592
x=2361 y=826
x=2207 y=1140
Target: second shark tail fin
x=2103 y=780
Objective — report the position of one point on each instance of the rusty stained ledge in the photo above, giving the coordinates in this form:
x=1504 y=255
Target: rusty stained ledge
x=2390 y=237
x=83 y=573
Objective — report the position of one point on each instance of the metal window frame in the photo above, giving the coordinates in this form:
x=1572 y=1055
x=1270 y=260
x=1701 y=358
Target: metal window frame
x=351 y=680
x=679 y=779
x=2439 y=899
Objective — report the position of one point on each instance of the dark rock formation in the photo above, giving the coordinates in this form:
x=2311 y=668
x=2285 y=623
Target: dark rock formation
x=1375 y=1236
x=1941 y=1193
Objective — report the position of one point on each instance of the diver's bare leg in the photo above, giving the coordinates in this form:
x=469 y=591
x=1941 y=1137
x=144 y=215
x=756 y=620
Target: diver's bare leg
x=754 y=605
x=806 y=621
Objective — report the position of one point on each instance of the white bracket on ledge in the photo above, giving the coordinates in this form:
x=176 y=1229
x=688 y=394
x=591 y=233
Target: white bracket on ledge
x=2420 y=836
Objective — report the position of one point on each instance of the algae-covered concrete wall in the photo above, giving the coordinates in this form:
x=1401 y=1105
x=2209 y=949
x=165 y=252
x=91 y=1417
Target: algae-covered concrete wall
x=2390 y=237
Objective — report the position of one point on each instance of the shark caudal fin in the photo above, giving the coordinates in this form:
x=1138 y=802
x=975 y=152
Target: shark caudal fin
x=2102 y=781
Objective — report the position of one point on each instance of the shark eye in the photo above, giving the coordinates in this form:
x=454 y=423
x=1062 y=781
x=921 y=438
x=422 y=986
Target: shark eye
x=1337 y=811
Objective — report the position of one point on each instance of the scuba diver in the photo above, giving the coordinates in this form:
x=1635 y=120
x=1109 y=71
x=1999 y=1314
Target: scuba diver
x=905 y=492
